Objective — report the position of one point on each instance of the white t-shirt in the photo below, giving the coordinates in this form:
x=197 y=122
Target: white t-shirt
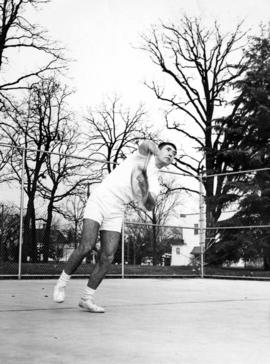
x=117 y=184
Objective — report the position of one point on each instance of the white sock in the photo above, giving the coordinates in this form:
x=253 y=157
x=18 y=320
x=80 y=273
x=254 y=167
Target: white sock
x=63 y=279
x=88 y=293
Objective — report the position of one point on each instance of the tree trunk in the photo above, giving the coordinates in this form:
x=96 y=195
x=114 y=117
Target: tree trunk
x=76 y=233
x=154 y=238
x=26 y=251
x=29 y=233
x=266 y=258
x=34 y=251
x=2 y=241
x=47 y=233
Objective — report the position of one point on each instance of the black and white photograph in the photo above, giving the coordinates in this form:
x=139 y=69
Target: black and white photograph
x=134 y=182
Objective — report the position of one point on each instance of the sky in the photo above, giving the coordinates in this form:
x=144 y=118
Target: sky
x=103 y=36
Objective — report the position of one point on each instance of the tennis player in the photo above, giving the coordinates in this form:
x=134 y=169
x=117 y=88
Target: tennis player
x=104 y=212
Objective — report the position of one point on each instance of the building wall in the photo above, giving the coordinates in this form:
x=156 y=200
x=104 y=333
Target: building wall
x=181 y=254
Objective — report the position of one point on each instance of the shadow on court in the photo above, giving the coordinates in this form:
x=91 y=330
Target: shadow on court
x=149 y=321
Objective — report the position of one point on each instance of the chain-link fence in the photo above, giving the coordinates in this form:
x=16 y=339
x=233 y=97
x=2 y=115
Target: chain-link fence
x=41 y=224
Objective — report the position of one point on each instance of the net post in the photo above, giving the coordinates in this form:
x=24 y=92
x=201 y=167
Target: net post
x=123 y=250
x=21 y=215
x=201 y=224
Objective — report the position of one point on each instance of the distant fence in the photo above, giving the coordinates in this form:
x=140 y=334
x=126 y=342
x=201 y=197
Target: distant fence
x=146 y=249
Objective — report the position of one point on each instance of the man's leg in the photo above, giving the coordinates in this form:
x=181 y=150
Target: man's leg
x=88 y=241
x=109 y=244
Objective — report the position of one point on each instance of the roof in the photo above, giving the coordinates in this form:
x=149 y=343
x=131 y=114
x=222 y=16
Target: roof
x=196 y=250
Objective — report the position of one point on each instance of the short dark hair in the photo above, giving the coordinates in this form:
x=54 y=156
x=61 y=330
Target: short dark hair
x=162 y=144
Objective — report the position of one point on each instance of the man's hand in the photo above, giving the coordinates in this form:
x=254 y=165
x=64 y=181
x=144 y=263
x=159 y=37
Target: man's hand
x=148 y=147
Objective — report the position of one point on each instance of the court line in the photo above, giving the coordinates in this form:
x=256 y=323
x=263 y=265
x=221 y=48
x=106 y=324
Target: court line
x=142 y=304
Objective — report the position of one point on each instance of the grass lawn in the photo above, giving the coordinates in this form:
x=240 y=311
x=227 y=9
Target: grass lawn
x=53 y=268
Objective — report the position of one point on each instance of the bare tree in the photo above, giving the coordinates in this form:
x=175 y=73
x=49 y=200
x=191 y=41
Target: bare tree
x=5 y=157
x=66 y=175
x=19 y=34
x=114 y=131
x=37 y=125
x=199 y=64
x=73 y=212
x=9 y=227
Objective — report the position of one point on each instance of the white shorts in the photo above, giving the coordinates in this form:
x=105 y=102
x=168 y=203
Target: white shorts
x=108 y=212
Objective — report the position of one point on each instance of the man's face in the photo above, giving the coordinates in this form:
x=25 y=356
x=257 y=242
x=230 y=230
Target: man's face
x=166 y=155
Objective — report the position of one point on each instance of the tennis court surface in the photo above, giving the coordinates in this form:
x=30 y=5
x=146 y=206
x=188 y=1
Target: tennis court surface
x=148 y=321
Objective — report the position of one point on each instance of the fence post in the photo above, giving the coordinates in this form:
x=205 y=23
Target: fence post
x=201 y=222
x=21 y=215
x=123 y=249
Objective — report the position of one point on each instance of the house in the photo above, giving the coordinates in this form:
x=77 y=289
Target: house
x=182 y=254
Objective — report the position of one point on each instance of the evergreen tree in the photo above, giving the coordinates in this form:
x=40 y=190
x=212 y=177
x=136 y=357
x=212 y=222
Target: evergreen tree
x=249 y=127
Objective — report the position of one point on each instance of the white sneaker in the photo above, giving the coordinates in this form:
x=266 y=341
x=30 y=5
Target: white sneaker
x=59 y=294
x=90 y=306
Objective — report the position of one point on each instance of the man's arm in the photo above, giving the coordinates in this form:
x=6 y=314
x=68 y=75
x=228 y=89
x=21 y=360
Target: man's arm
x=149 y=199
x=145 y=148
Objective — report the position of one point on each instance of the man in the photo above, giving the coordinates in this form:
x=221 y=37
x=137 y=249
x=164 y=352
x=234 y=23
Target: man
x=104 y=212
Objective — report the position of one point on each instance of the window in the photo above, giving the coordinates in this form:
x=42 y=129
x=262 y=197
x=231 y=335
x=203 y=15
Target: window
x=196 y=229
x=177 y=250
